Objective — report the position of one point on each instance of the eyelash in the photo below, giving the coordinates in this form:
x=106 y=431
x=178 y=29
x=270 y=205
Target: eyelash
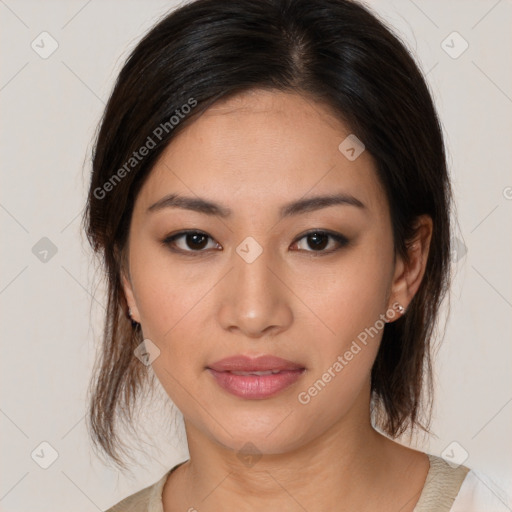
x=340 y=239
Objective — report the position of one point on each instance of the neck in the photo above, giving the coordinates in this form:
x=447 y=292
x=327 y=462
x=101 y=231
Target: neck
x=347 y=462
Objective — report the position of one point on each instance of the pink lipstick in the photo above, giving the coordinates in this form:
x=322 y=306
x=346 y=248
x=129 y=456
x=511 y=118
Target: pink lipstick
x=255 y=378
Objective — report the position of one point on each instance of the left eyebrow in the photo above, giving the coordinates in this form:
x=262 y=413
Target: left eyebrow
x=294 y=208
x=319 y=202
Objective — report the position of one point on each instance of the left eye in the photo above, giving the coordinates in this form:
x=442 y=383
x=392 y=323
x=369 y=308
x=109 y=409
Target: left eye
x=319 y=240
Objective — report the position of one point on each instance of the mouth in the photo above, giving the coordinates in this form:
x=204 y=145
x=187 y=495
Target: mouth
x=262 y=372
x=255 y=378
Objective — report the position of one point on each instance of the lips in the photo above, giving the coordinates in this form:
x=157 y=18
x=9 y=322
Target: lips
x=250 y=365
x=255 y=378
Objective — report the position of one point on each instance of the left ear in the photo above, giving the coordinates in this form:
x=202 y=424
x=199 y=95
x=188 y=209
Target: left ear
x=408 y=274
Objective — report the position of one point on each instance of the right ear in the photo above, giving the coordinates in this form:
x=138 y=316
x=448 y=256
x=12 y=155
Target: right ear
x=130 y=296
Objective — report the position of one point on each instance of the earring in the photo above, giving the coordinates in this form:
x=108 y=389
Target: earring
x=401 y=309
x=134 y=323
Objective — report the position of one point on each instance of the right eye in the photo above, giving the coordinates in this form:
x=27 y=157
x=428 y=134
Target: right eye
x=188 y=242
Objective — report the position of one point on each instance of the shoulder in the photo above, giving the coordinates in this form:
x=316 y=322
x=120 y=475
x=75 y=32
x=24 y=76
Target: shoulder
x=442 y=485
x=143 y=500
x=138 y=502
x=457 y=488
x=148 y=499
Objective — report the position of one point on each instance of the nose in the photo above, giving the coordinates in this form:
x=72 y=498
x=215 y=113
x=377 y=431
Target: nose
x=254 y=300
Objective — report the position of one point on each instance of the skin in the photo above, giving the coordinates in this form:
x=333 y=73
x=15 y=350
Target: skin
x=252 y=154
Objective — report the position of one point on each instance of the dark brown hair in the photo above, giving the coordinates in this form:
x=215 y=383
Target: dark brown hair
x=333 y=51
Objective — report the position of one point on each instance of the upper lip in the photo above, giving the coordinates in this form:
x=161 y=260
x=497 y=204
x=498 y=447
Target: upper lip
x=253 y=364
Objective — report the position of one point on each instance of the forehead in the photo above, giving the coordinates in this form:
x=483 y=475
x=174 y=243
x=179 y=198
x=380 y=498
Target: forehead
x=263 y=146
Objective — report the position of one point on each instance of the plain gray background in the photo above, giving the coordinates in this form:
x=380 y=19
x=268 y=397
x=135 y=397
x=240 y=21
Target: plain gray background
x=50 y=107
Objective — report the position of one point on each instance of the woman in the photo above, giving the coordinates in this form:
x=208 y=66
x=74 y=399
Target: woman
x=271 y=202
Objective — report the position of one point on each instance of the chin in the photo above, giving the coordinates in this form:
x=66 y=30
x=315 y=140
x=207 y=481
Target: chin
x=257 y=433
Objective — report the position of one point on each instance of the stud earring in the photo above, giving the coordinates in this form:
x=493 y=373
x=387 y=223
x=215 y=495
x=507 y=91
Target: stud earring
x=134 y=323
x=400 y=309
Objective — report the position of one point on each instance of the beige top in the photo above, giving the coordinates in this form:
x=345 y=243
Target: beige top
x=439 y=492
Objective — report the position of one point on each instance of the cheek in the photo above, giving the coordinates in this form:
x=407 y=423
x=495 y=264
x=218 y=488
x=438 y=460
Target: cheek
x=171 y=305
x=352 y=307
x=166 y=292
x=167 y=298
x=352 y=296
x=350 y=302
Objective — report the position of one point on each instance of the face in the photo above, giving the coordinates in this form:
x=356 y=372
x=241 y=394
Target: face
x=255 y=276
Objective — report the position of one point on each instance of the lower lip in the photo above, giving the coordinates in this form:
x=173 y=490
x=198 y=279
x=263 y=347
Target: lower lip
x=256 y=387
